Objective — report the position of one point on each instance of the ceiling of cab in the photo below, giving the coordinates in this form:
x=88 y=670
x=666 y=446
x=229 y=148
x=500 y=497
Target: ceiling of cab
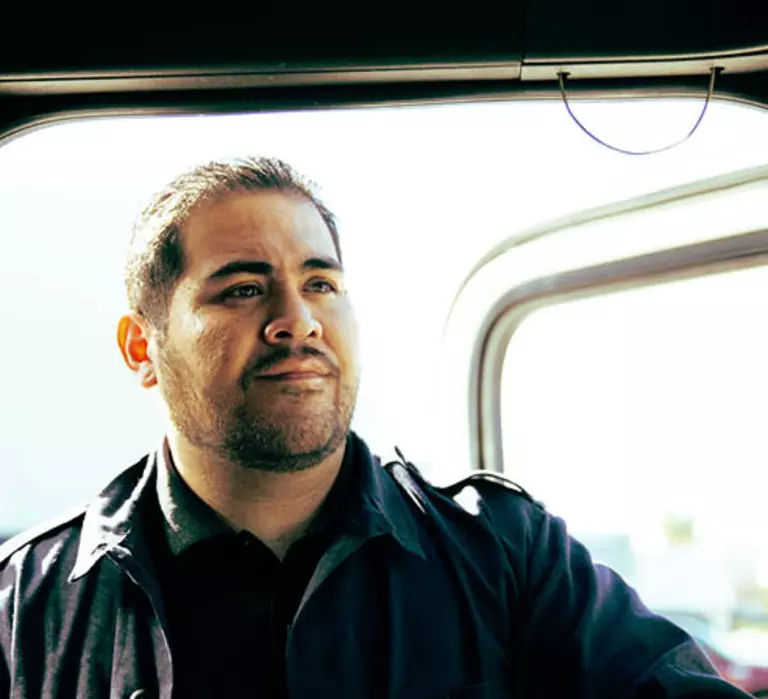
x=289 y=56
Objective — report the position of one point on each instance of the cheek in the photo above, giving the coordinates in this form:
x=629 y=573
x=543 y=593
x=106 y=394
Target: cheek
x=227 y=348
x=200 y=346
x=343 y=339
x=218 y=354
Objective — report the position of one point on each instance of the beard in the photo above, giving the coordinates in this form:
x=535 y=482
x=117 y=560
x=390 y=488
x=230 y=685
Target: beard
x=289 y=433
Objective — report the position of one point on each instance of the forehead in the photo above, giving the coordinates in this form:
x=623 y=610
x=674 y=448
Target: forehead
x=281 y=228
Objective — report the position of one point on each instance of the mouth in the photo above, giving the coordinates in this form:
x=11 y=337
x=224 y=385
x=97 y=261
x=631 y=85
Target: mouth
x=296 y=376
x=295 y=383
x=297 y=370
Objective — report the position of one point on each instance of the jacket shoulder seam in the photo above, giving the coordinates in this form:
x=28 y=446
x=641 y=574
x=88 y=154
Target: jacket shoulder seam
x=39 y=531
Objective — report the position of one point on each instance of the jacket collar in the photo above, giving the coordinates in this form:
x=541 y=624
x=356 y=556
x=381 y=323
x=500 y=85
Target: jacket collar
x=115 y=515
x=385 y=507
x=114 y=520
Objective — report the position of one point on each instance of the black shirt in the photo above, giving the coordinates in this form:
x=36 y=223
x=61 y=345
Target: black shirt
x=229 y=599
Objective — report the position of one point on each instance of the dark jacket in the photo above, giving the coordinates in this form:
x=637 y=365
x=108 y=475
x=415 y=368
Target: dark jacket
x=422 y=598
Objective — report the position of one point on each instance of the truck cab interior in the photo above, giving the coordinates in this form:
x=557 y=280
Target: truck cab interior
x=554 y=224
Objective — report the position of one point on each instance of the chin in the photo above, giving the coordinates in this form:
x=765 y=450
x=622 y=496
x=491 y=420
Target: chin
x=309 y=437
x=286 y=446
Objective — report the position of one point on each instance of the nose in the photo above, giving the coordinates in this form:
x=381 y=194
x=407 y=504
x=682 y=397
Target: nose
x=291 y=321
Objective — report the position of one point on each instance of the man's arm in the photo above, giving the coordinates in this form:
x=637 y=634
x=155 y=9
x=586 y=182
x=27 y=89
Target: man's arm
x=587 y=634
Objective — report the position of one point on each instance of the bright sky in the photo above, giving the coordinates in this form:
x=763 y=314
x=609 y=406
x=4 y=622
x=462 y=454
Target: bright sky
x=665 y=388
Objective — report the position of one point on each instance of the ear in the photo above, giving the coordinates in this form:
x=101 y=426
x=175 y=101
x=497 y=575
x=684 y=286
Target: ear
x=133 y=337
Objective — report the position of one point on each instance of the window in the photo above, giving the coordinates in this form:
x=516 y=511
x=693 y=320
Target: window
x=632 y=396
x=640 y=418
x=421 y=193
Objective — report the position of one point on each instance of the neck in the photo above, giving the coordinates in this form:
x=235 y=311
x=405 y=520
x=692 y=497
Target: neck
x=275 y=507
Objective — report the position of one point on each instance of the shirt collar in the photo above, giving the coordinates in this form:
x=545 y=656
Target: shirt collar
x=373 y=504
x=187 y=519
x=363 y=498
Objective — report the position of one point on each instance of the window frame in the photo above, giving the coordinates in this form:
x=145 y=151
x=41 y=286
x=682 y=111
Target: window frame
x=736 y=250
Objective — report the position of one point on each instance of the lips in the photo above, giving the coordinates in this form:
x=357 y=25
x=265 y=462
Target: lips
x=296 y=370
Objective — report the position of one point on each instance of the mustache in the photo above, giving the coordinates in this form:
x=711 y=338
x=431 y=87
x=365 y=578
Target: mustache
x=282 y=354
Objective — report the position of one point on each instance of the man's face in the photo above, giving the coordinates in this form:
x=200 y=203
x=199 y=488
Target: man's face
x=258 y=360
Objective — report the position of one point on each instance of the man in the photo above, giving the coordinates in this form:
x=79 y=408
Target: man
x=262 y=550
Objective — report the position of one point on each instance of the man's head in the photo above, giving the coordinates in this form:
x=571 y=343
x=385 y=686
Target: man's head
x=240 y=315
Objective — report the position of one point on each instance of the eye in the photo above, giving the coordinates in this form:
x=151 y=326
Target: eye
x=322 y=286
x=244 y=291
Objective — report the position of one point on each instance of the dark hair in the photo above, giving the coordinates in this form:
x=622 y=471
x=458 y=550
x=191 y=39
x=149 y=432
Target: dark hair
x=155 y=257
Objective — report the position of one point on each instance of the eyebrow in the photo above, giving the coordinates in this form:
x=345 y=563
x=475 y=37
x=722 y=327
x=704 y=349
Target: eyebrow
x=322 y=263
x=260 y=267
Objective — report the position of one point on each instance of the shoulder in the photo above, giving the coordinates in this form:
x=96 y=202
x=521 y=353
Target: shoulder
x=67 y=526
x=485 y=498
x=483 y=489
x=501 y=504
x=484 y=519
x=491 y=484
x=57 y=528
